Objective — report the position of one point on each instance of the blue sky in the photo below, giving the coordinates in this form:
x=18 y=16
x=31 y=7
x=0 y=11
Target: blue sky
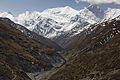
x=19 y=6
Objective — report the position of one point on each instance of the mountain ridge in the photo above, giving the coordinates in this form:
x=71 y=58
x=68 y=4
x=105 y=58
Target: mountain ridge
x=95 y=55
x=32 y=35
x=20 y=55
x=55 y=22
x=90 y=42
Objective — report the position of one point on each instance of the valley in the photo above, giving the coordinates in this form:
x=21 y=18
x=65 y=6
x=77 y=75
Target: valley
x=60 y=44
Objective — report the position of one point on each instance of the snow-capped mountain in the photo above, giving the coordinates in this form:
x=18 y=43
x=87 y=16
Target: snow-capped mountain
x=44 y=41
x=97 y=11
x=7 y=14
x=83 y=21
x=49 y=23
x=112 y=13
x=57 y=21
x=60 y=14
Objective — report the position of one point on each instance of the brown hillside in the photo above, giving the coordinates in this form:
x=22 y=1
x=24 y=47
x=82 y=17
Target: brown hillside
x=97 y=57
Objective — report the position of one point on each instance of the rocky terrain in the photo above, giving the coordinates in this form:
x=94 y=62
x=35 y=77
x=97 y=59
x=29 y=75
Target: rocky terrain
x=20 y=55
x=45 y=41
x=85 y=44
x=96 y=56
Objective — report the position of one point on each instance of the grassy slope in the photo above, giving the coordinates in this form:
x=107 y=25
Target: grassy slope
x=19 y=54
x=42 y=40
x=93 y=61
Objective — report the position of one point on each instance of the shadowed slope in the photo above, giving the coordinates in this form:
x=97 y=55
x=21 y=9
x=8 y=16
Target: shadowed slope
x=42 y=40
x=20 y=54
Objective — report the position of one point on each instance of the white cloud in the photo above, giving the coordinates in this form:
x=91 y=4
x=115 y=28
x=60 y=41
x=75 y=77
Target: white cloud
x=99 y=1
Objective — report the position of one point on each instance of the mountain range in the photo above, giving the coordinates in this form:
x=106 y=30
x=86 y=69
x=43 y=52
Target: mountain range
x=42 y=40
x=60 y=44
x=96 y=55
x=56 y=21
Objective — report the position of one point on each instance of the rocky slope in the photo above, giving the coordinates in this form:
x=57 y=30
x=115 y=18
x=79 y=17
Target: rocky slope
x=34 y=36
x=20 y=55
x=96 y=55
x=82 y=21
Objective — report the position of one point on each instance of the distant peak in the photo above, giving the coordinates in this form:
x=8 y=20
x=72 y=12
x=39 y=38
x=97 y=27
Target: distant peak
x=27 y=12
x=67 y=7
x=9 y=13
x=93 y=6
x=98 y=12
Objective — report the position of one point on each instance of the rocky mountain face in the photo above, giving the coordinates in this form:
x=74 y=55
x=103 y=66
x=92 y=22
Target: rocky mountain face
x=45 y=41
x=86 y=17
x=97 y=11
x=21 y=55
x=55 y=22
x=96 y=55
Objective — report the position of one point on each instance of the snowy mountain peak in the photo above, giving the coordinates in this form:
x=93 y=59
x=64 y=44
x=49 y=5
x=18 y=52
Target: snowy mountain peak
x=94 y=6
x=98 y=12
x=60 y=14
x=10 y=13
x=56 y=21
x=6 y=14
x=59 y=9
x=114 y=12
x=27 y=12
x=68 y=8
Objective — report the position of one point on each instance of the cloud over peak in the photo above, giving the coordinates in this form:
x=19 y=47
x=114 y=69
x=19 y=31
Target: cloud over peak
x=99 y=1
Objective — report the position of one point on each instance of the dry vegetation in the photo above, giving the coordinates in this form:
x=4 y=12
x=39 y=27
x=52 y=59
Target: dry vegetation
x=93 y=60
x=20 y=54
